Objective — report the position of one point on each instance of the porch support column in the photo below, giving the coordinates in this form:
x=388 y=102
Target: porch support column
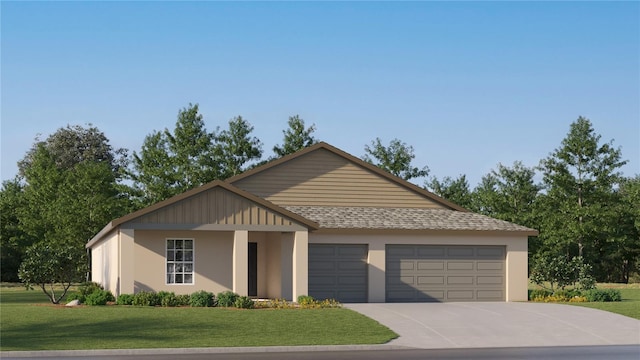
x=127 y=262
x=300 y=264
x=241 y=262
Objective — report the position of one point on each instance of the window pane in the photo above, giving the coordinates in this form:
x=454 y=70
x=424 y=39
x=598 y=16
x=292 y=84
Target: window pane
x=178 y=278
x=179 y=268
x=188 y=279
x=188 y=255
x=170 y=244
x=170 y=255
x=188 y=244
x=188 y=267
x=179 y=255
x=170 y=279
x=178 y=244
x=170 y=268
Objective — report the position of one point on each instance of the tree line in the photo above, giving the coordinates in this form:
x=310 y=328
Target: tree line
x=72 y=183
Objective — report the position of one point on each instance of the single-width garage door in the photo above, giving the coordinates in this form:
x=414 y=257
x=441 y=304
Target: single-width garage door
x=421 y=273
x=338 y=272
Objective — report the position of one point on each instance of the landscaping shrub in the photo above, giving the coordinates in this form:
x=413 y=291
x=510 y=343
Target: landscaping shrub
x=227 y=299
x=202 y=299
x=168 y=299
x=305 y=300
x=76 y=296
x=243 y=302
x=146 y=298
x=539 y=294
x=99 y=297
x=275 y=304
x=124 y=299
x=89 y=287
x=603 y=295
x=183 y=300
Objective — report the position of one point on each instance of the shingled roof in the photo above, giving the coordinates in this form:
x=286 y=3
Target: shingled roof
x=370 y=218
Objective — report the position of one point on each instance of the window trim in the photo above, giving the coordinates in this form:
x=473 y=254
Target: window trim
x=193 y=262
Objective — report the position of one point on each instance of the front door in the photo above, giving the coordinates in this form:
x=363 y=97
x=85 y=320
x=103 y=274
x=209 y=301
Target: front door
x=253 y=269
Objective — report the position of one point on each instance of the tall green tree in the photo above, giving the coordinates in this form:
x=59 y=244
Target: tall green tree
x=68 y=200
x=455 y=190
x=296 y=137
x=13 y=241
x=236 y=147
x=579 y=180
x=395 y=158
x=620 y=253
x=508 y=193
x=172 y=162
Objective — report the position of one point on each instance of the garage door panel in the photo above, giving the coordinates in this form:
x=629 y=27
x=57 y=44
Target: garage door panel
x=490 y=295
x=458 y=273
x=327 y=251
x=490 y=280
x=491 y=252
x=351 y=265
x=430 y=265
x=498 y=266
x=460 y=280
x=430 y=280
x=430 y=296
x=460 y=252
x=401 y=251
x=352 y=280
x=321 y=265
x=352 y=251
x=338 y=271
x=460 y=295
x=431 y=252
x=456 y=265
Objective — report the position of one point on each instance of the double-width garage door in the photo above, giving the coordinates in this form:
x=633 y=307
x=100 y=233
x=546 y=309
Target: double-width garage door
x=421 y=273
x=338 y=272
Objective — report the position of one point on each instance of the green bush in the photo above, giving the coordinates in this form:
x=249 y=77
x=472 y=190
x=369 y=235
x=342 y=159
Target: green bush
x=168 y=299
x=306 y=300
x=76 y=296
x=88 y=287
x=243 y=302
x=99 y=297
x=539 y=294
x=202 y=298
x=146 y=298
x=603 y=295
x=227 y=299
x=124 y=299
x=183 y=300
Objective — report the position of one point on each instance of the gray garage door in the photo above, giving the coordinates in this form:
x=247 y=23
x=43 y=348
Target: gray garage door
x=338 y=272
x=421 y=273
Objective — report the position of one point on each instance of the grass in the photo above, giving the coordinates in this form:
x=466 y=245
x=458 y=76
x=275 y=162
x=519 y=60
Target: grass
x=29 y=322
x=629 y=306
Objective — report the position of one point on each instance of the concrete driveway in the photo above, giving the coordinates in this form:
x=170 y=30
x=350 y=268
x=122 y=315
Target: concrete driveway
x=498 y=324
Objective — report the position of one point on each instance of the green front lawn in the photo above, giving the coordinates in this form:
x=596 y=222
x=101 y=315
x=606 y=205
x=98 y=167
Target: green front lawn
x=29 y=322
x=629 y=306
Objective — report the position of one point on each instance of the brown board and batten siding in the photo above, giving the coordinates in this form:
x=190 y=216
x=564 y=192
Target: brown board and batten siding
x=322 y=178
x=215 y=206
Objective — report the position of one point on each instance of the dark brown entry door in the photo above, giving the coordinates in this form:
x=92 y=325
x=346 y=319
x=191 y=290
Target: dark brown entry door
x=253 y=269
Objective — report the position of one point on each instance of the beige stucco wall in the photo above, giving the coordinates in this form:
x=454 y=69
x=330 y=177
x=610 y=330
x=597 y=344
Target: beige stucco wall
x=212 y=261
x=516 y=258
x=104 y=263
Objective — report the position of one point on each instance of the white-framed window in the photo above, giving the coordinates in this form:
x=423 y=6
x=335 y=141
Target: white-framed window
x=179 y=261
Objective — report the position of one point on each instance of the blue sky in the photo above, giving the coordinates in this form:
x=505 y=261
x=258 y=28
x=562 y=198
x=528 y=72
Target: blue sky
x=467 y=84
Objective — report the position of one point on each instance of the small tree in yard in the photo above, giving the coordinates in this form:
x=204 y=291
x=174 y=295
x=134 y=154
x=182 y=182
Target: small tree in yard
x=53 y=267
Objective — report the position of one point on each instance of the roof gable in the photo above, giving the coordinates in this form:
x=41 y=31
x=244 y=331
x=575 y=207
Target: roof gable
x=217 y=203
x=322 y=175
